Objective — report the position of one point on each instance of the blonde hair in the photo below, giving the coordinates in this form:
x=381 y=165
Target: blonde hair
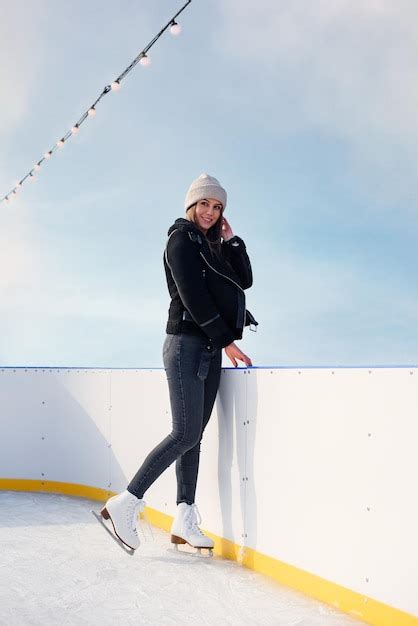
x=213 y=234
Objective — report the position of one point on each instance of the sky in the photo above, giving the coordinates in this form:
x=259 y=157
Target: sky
x=305 y=111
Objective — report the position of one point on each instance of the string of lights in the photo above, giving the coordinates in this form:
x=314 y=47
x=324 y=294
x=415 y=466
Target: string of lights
x=142 y=58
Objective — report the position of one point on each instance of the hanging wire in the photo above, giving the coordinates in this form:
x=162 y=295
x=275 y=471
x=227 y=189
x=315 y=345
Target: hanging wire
x=91 y=111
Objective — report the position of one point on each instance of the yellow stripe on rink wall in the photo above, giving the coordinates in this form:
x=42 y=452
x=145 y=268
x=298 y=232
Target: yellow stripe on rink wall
x=355 y=604
x=50 y=486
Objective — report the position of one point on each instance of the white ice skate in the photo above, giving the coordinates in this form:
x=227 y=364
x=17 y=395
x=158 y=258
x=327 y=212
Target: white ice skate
x=185 y=529
x=122 y=510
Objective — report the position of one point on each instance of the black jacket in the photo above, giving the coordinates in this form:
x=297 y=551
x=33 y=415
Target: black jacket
x=207 y=295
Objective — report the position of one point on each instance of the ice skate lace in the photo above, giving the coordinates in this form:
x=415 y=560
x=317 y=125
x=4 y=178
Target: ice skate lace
x=134 y=509
x=193 y=519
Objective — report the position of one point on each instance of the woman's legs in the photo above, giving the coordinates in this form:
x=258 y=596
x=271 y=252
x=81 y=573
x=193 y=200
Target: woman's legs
x=186 y=359
x=187 y=465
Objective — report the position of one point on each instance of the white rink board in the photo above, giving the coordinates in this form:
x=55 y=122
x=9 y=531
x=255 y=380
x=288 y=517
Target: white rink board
x=333 y=461
x=55 y=425
x=220 y=487
x=141 y=418
x=315 y=467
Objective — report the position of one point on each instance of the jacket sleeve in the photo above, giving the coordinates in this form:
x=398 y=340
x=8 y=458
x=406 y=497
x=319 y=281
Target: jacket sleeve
x=236 y=253
x=184 y=261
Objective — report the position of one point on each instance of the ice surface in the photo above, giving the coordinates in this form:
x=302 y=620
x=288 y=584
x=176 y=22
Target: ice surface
x=59 y=566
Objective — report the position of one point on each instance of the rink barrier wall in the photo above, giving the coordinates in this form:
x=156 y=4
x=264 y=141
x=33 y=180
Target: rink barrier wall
x=82 y=424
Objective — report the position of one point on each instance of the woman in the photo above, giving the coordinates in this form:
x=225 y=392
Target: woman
x=207 y=269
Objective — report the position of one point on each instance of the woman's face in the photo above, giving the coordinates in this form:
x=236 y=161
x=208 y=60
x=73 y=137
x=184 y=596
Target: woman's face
x=207 y=213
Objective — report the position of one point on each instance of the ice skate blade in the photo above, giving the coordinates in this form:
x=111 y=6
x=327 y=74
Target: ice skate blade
x=115 y=537
x=195 y=555
x=180 y=541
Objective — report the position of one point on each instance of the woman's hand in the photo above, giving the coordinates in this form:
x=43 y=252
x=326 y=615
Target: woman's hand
x=233 y=352
x=226 y=229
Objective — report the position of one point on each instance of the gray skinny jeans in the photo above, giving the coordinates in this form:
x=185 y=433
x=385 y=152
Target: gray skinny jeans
x=193 y=369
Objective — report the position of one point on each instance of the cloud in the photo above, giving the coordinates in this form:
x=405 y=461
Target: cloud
x=36 y=284
x=329 y=311
x=345 y=68
x=349 y=61
x=20 y=261
x=22 y=50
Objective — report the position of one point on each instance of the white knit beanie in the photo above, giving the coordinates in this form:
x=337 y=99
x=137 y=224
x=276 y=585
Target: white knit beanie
x=205 y=187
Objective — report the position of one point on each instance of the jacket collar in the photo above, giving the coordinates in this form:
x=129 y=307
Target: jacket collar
x=181 y=223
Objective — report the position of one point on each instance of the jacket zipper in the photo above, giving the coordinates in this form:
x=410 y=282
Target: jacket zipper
x=241 y=322
x=220 y=274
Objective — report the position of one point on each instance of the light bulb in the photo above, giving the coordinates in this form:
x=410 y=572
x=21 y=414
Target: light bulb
x=32 y=177
x=75 y=129
x=92 y=112
x=48 y=155
x=175 y=29
x=145 y=61
x=60 y=143
x=115 y=85
x=37 y=167
x=18 y=184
